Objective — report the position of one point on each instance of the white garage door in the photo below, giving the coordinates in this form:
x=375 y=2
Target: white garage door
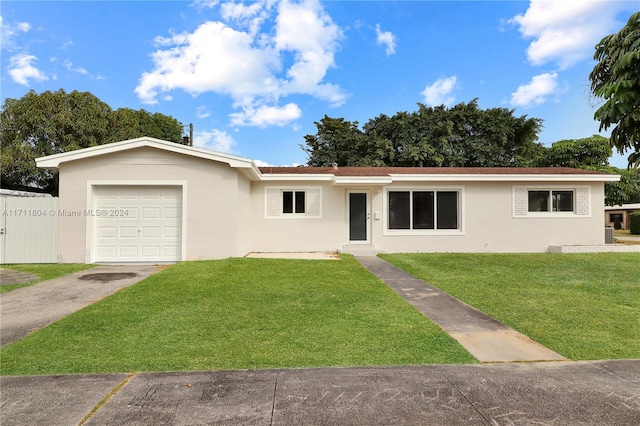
x=138 y=223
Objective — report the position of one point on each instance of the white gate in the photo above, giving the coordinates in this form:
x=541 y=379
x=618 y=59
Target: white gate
x=28 y=230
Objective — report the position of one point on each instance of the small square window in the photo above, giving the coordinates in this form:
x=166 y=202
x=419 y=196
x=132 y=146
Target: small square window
x=562 y=201
x=538 y=201
x=293 y=202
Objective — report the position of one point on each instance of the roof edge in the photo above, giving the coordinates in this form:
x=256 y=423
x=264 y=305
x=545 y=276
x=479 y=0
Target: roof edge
x=54 y=161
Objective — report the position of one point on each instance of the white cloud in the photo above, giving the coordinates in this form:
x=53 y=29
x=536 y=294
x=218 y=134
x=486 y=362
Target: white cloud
x=440 y=92
x=21 y=70
x=264 y=115
x=8 y=32
x=387 y=39
x=566 y=31
x=69 y=65
x=261 y=163
x=249 y=65
x=536 y=91
x=205 y=4
x=214 y=140
x=202 y=112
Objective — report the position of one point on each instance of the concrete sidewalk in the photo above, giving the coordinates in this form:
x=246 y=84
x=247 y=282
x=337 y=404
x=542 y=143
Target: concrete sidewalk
x=559 y=393
x=484 y=337
x=27 y=309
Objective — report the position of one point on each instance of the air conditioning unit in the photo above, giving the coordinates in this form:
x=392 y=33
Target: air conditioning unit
x=608 y=236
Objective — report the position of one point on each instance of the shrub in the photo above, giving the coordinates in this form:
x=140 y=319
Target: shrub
x=617 y=224
x=634 y=226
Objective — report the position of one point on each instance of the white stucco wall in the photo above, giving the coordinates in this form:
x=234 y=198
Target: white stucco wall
x=488 y=221
x=213 y=194
x=325 y=233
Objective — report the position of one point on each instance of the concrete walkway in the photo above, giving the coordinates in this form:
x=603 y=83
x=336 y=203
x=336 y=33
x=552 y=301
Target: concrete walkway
x=27 y=309
x=549 y=393
x=484 y=337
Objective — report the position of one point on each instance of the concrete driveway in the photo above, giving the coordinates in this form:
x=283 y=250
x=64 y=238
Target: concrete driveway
x=27 y=309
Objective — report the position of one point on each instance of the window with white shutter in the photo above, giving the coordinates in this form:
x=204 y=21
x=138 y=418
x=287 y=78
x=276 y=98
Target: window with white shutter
x=551 y=201
x=292 y=202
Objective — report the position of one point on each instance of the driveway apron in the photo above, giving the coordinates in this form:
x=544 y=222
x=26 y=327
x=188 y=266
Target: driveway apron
x=484 y=337
x=27 y=309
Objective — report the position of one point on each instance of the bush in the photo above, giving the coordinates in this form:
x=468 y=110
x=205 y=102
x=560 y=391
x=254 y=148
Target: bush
x=634 y=226
x=617 y=224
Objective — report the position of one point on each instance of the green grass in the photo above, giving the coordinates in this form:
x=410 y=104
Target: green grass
x=239 y=314
x=583 y=306
x=44 y=271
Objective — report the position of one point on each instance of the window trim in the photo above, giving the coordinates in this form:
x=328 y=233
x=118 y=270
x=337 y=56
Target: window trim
x=416 y=232
x=581 y=201
x=274 y=196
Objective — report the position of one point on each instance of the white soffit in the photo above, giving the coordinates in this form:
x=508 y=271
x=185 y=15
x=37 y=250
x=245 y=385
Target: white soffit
x=362 y=180
x=505 y=178
x=54 y=161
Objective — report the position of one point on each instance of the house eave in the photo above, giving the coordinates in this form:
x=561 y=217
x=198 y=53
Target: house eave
x=505 y=178
x=54 y=161
x=362 y=180
x=296 y=177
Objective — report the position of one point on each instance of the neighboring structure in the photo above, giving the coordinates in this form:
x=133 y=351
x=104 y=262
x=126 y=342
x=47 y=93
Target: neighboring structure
x=621 y=213
x=15 y=193
x=151 y=200
x=28 y=227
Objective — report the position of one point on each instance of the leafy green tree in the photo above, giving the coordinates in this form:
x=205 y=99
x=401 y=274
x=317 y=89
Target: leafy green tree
x=616 y=79
x=626 y=191
x=337 y=141
x=49 y=123
x=126 y=123
x=461 y=136
x=593 y=152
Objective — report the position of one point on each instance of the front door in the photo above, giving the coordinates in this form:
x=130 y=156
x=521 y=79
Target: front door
x=358 y=217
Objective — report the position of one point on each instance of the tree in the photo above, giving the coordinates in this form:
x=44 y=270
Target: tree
x=461 y=136
x=337 y=141
x=616 y=79
x=592 y=152
x=626 y=191
x=49 y=123
x=127 y=123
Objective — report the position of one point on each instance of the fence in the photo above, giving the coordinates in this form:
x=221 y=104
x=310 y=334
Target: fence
x=28 y=230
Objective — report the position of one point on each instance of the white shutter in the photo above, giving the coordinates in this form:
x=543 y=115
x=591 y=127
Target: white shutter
x=520 y=202
x=313 y=202
x=272 y=202
x=583 y=201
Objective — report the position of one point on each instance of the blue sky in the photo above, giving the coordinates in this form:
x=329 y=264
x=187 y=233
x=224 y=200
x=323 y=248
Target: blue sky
x=254 y=76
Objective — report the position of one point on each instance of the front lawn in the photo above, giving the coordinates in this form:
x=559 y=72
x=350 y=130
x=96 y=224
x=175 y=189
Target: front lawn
x=583 y=306
x=239 y=314
x=44 y=271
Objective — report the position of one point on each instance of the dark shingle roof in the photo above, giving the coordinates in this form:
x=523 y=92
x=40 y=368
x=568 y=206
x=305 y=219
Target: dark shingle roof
x=386 y=171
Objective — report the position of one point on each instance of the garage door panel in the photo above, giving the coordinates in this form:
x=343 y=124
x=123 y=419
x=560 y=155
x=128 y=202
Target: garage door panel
x=107 y=252
x=151 y=213
x=153 y=251
x=171 y=232
x=149 y=230
x=172 y=212
x=107 y=232
x=128 y=232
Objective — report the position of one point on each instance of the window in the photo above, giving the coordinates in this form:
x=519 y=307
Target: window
x=416 y=210
x=550 y=200
x=615 y=217
x=293 y=202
